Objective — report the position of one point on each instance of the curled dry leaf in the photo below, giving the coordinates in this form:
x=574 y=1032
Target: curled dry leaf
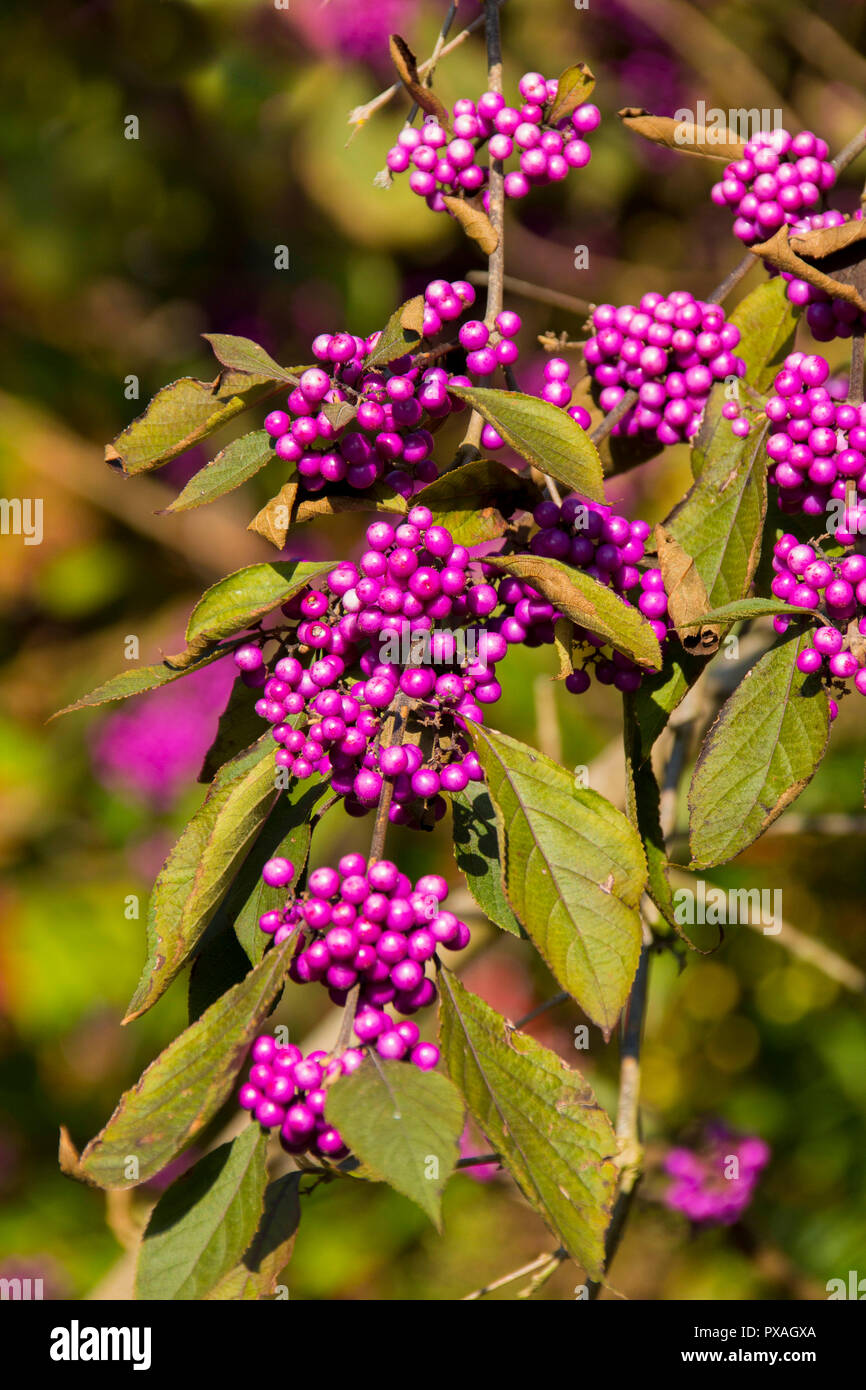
x=406 y=63
x=687 y=596
x=275 y=518
x=474 y=221
x=563 y=638
x=574 y=88
x=710 y=141
x=780 y=252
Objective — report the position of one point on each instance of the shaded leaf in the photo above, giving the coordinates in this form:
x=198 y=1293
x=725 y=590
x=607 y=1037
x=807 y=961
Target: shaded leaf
x=203 y=1223
x=185 y=1086
x=758 y=756
x=397 y=1119
x=541 y=433
x=540 y=1117
x=589 y=604
x=573 y=870
x=476 y=849
x=232 y=466
x=660 y=692
x=474 y=500
x=239 y=728
x=271 y=1249
x=755 y=608
x=221 y=963
x=198 y=871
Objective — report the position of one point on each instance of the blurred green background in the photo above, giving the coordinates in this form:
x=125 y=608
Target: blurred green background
x=118 y=254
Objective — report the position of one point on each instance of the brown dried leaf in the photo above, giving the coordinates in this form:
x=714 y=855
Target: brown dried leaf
x=69 y=1159
x=563 y=637
x=274 y=520
x=780 y=253
x=406 y=63
x=340 y=413
x=687 y=596
x=575 y=87
x=683 y=136
x=474 y=221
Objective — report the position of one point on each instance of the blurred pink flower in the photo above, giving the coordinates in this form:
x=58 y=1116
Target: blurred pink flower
x=352 y=28
x=155 y=744
x=715 y=1183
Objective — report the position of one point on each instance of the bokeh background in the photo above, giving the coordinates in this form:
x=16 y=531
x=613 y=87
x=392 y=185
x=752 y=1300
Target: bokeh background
x=117 y=255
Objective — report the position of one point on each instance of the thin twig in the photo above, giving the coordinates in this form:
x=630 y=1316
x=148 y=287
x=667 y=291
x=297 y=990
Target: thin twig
x=855 y=382
x=526 y=290
x=542 y=1009
x=361 y=114
x=540 y=1261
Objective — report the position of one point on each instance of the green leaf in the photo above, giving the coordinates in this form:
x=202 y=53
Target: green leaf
x=758 y=756
x=573 y=869
x=271 y=1249
x=203 y=1223
x=287 y=833
x=181 y=415
x=767 y=323
x=755 y=608
x=400 y=335
x=541 y=1118
x=232 y=466
x=185 y=1086
x=197 y=873
x=473 y=501
x=220 y=964
x=541 y=433
x=476 y=849
x=239 y=600
x=137 y=682
x=239 y=728
x=661 y=691
x=243 y=355
x=573 y=88
x=589 y=604
x=403 y=1124
x=643 y=805
x=720 y=522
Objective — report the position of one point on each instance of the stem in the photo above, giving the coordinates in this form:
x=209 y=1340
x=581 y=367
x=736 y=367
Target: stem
x=580 y=307
x=377 y=848
x=849 y=152
x=496 y=260
x=542 y=1009
x=855 y=381
x=540 y=1262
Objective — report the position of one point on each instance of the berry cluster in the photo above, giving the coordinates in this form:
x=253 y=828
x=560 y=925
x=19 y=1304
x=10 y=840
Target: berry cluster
x=827 y=316
x=835 y=588
x=379 y=616
x=450 y=167
x=702 y=1188
x=779 y=178
x=359 y=924
x=671 y=350
x=608 y=548
x=817 y=445
x=366 y=923
x=286 y=1090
